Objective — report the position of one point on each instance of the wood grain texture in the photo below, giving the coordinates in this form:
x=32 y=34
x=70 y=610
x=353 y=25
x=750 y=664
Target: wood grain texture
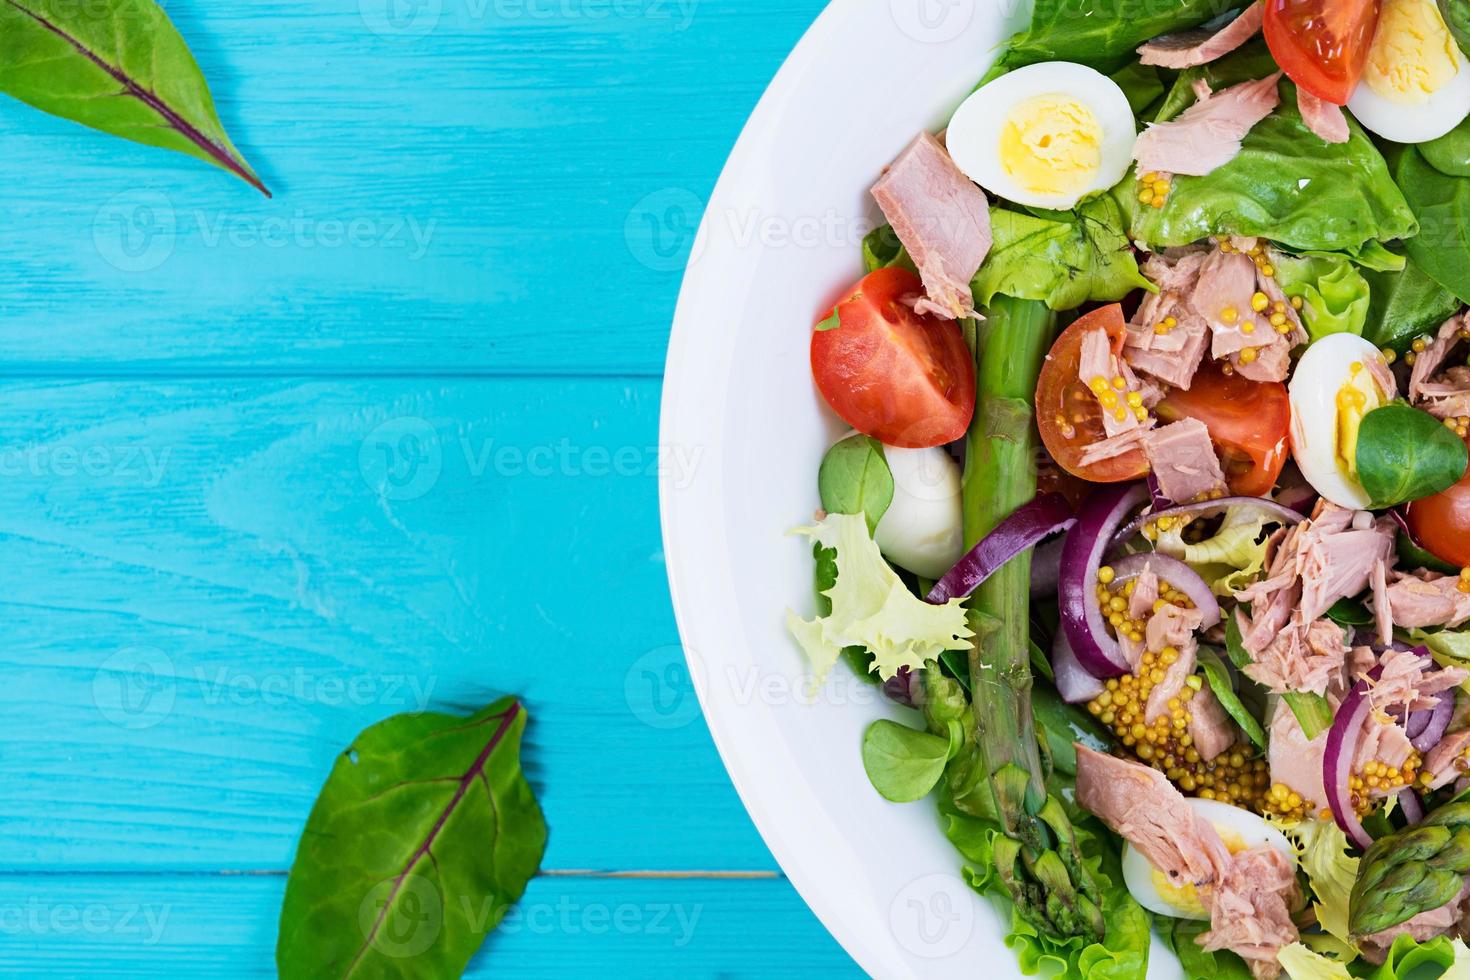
x=504 y=185
x=86 y=927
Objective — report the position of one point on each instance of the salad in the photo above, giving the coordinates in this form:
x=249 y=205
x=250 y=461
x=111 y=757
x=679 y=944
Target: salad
x=1155 y=508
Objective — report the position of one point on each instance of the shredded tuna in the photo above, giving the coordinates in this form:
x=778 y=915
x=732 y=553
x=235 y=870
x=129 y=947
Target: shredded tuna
x=1410 y=682
x=1424 y=599
x=1124 y=442
x=1446 y=762
x=1172 y=626
x=1201 y=46
x=1310 y=659
x=1184 y=461
x=1382 y=610
x=1442 y=394
x=1169 y=351
x=1209 y=725
x=1145 y=594
x=1175 y=677
x=1208 y=134
x=1250 y=913
x=942 y=219
x=1223 y=297
x=1295 y=762
x=1422 y=927
x=1324 y=119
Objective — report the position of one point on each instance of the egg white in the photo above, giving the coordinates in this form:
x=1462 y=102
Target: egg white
x=923 y=529
x=1240 y=829
x=1320 y=374
x=974 y=134
x=1406 y=123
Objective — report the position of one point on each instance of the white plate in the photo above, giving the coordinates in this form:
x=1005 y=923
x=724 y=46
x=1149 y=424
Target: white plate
x=779 y=241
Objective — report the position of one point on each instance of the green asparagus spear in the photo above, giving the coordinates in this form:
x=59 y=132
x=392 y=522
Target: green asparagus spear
x=1419 y=870
x=1038 y=858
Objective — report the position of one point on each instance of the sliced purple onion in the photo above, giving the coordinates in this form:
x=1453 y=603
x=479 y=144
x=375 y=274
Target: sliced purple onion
x=1099 y=519
x=1269 y=508
x=1177 y=574
x=1300 y=497
x=1048 y=514
x=1156 y=497
x=1426 y=728
x=1412 y=806
x=1337 y=762
x=1074 y=684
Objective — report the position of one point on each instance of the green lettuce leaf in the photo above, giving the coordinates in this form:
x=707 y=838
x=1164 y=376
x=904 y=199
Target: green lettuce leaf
x=1301 y=963
x=1407 y=956
x=1285 y=185
x=872 y=608
x=1064 y=259
x=1230 y=559
x=1094 y=32
x=1180 y=935
x=1140 y=84
x=1335 y=296
x=1405 y=305
x=1322 y=853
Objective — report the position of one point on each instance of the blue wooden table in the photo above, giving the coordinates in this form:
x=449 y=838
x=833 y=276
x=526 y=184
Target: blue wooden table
x=271 y=470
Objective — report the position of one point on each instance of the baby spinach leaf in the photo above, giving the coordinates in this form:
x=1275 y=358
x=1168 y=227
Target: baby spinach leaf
x=902 y=763
x=1221 y=685
x=855 y=479
x=1457 y=17
x=1063 y=258
x=1405 y=305
x=424 y=835
x=1285 y=185
x=1092 y=32
x=1441 y=203
x=1450 y=154
x=118 y=66
x=1405 y=454
x=1350 y=612
x=1411 y=556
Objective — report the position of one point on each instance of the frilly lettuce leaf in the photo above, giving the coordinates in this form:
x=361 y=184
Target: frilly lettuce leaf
x=872 y=608
x=1335 y=296
x=1322 y=853
x=1407 y=956
x=1301 y=963
x=1231 y=559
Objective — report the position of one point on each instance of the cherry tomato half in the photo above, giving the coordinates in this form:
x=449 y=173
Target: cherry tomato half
x=1441 y=524
x=1067 y=411
x=906 y=379
x=1249 y=422
x=1322 y=45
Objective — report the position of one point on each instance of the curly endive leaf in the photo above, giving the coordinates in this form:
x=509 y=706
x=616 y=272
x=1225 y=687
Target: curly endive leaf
x=118 y=66
x=424 y=835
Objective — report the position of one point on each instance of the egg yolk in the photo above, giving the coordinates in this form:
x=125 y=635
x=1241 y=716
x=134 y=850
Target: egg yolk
x=1186 y=898
x=1412 y=55
x=1051 y=144
x=1358 y=396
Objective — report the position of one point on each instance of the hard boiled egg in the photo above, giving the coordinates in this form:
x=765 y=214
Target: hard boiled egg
x=1241 y=830
x=923 y=529
x=1417 y=83
x=1336 y=384
x=1046 y=135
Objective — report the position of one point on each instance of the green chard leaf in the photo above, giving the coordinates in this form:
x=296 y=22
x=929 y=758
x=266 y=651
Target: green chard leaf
x=118 y=66
x=1093 y=33
x=425 y=833
x=1064 y=258
x=903 y=764
x=1441 y=203
x=855 y=479
x=1405 y=455
x=1405 y=305
x=1223 y=688
x=1285 y=185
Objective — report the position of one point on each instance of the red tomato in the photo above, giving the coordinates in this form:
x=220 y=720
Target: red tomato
x=1249 y=422
x=1322 y=45
x=905 y=379
x=1441 y=524
x=1067 y=412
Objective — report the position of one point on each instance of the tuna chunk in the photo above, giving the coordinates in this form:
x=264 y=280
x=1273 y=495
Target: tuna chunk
x=1250 y=913
x=1172 y=626
x=1295 y=762
x=1424 y=599
x=1422 y=927
x=1184 y=461
x=1201 y=46
x=1324 y=119
x=1208 y=134
x=1098 y=360
x=1443 y=394
x=1145 y=594
x=1169 y=351
x=943 y=220
x=1296 y=659
x=1410 y=682
x=1446 y=762
x=1222 y=296
x=1209 y=725
x=1144 y=808
x=1175 y=677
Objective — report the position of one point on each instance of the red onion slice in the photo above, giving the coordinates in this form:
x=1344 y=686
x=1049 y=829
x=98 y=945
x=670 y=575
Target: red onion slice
x=1177 y=574
x=1426 y=728
x=1337 y=762
x=1156 y=497
x=1412 y=806
x=1082 y=621
x=1048 y=514
x=1075 y=685
x=1269 y=508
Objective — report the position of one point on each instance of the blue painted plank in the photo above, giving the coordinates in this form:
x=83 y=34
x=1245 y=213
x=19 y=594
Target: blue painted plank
x=224 y=928
x=460 y=184
x=211 y=586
